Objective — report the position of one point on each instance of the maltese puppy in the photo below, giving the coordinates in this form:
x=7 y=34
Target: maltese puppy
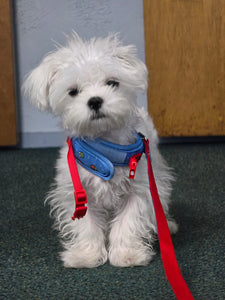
x=92 y=86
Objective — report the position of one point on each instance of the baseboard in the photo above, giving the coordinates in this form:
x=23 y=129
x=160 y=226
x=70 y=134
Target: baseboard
x=56 y=139
x=194 y=139
x=42 y=139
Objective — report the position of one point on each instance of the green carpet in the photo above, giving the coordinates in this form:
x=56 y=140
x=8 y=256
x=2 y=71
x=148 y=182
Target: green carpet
x=30 y=268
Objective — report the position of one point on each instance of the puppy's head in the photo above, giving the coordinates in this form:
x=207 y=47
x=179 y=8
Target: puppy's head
x=91 y=85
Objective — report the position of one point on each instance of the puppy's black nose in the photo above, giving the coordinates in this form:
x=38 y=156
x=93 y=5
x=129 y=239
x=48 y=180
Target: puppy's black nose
x=95 y=103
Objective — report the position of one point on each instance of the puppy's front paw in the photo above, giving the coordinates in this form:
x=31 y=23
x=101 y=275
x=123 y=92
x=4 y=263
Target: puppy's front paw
x=129 y=257
x=77 y=257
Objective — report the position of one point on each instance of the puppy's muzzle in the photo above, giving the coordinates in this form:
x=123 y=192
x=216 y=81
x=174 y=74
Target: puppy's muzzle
x=95 y=103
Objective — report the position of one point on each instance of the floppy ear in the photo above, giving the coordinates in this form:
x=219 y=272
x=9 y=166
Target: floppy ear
x=36 y=85
x=134 y=67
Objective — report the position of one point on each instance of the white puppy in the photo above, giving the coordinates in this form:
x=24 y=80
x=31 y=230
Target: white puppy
x=92 y=86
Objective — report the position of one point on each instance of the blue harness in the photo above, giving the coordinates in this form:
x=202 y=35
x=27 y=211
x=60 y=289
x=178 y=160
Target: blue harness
x=99 y=156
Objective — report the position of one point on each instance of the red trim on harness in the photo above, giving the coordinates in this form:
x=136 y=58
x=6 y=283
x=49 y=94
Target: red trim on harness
x=79 y=194
x=133 y=164
x=170 y=264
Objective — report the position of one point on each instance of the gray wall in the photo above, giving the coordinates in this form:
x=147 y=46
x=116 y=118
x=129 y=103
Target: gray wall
x=38 y=23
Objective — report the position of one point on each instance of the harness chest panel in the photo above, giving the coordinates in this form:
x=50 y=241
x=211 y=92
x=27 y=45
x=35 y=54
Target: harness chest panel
x=99 y=156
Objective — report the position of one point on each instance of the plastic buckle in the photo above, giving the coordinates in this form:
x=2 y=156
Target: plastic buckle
x=133 y=164
x=81 y=200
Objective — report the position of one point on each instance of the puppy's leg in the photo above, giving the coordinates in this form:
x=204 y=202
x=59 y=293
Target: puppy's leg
x=131 y=234
x=87 y=248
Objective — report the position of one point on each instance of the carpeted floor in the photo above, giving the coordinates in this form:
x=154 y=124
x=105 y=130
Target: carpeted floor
x=30 y=268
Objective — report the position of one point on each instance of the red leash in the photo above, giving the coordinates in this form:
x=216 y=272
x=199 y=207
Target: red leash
x=170 y=264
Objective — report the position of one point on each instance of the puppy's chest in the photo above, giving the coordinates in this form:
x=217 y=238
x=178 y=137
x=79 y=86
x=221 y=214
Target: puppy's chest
x=110 y=192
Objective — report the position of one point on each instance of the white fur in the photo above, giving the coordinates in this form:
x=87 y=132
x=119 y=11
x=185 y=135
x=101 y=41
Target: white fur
x=120 y=222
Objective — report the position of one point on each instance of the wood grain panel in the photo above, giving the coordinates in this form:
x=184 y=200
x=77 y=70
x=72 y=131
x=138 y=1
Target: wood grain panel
x=185 y=55
x=8 y=136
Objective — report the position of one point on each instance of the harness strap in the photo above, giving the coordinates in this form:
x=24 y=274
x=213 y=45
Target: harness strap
x=79 y=192
x=170 y=264
x=99 y=156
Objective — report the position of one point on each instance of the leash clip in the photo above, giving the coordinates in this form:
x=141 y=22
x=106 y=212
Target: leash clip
x=146 y=143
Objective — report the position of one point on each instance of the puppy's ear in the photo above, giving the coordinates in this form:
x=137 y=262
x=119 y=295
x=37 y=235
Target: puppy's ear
x=135 y=69
x=36 y=85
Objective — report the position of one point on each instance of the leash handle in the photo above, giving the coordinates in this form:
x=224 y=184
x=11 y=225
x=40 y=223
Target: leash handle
x=79 y=193
x=169 y=260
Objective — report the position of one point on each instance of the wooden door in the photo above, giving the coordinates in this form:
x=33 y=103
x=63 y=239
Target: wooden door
x=185 y=55
x=8 y=136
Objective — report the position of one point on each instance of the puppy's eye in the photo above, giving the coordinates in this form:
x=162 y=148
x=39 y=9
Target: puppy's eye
x=73 y=92
x=112 y=83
